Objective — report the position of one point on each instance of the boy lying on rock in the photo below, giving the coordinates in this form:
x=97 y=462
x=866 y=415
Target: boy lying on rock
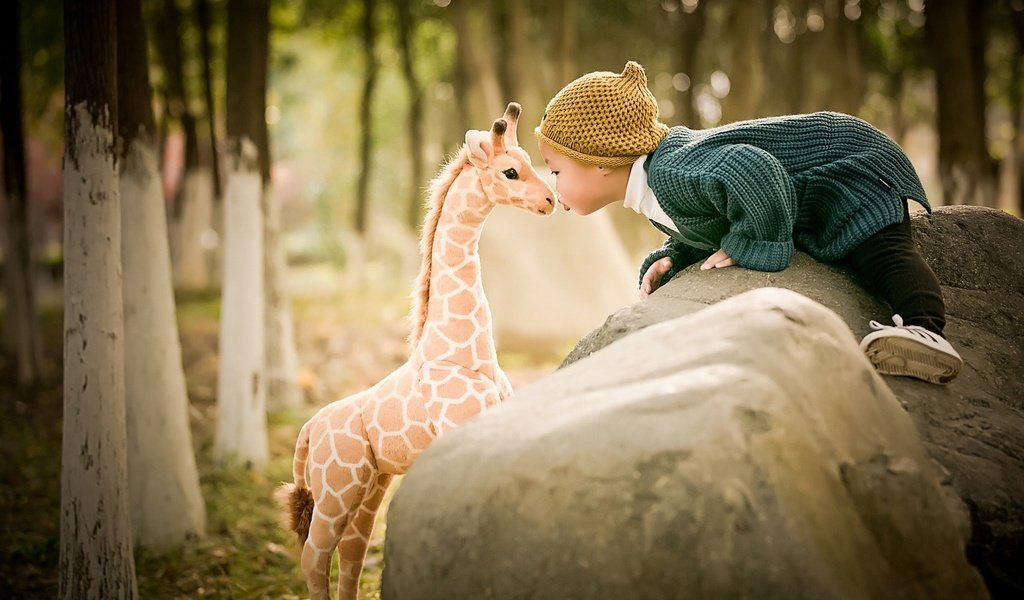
x=748 y=193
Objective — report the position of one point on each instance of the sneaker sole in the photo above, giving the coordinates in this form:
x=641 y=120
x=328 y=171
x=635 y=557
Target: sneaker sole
x=909 y=358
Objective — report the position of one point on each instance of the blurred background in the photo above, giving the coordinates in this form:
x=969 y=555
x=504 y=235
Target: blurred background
x=365 y=99
x=362 y=103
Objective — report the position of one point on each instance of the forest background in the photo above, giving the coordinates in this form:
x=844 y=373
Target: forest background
x=357 y=103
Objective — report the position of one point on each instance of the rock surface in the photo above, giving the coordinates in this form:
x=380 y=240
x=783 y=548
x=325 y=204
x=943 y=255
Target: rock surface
x=973 y=427
x=761 y=457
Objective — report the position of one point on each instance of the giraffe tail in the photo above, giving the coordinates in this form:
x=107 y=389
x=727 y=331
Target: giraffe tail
x=295 y=499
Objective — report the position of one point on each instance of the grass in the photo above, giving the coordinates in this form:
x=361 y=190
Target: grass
x=347 y=341
x=244 y=554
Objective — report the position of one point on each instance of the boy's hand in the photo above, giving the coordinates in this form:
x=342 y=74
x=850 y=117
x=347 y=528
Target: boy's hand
x=652 y=278
x=718 y=260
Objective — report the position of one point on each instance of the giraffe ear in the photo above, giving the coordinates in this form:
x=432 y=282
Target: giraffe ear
x=481 y=148
x=511 y=117
x=498 y=135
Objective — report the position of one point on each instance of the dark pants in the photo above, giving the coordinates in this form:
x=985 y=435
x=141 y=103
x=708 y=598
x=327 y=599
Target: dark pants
x=890 y=265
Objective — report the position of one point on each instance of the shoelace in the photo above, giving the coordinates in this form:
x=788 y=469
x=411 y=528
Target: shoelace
x=914 y=329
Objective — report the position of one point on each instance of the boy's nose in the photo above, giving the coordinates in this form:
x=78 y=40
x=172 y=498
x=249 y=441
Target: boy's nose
x=550 y=201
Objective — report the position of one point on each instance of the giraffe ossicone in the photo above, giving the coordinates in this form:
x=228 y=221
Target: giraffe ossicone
x=348 y=452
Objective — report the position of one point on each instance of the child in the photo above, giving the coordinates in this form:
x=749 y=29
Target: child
x=746 y=193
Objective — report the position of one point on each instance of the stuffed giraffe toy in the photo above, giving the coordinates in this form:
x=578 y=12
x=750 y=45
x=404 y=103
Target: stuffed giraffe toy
x=353 y=447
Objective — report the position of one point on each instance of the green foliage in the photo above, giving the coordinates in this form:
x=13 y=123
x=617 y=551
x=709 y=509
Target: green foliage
x=245 y=554
x=42 y=73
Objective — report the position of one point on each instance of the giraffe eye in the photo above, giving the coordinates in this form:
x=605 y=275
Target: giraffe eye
x=510 y=173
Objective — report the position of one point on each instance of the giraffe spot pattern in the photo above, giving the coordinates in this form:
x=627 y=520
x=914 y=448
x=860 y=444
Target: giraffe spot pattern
x=355 y=445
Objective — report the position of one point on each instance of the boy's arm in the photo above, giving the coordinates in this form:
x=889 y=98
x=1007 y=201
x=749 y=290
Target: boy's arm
x=682 y=256
x=752 y=190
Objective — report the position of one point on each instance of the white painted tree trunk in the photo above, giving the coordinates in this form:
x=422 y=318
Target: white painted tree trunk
x=282 y=357
x=95 y=530
x=241 y=387
x=195 y=230
x=166 y=504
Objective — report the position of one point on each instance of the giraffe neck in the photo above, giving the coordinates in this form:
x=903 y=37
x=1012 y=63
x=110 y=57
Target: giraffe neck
x=458 y=321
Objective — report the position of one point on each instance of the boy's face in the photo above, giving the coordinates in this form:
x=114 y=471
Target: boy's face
x=582 y=188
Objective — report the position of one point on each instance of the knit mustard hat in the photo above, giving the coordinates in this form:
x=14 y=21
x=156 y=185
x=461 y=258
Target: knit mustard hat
x=604 y=119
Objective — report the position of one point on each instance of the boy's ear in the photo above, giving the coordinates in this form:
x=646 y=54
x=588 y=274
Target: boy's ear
x=481 y=150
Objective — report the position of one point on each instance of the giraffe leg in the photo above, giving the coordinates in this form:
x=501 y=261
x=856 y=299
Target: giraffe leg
x=356 y=538
x=341 y=472
x=316 y=556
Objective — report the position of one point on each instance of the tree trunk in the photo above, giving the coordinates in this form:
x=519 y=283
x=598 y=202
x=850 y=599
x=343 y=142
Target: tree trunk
x=20 y=316
x=369 y=35
x=203 y=21
x=835 y=76
x=406 y=32
x=689 y=34
x=174 y=71
x=478 y=85
x=282 y=357
x=192 y=207
x=746 y=69
x=894 y=88
x=96 y=558
x=788 y=85
x=955 y=39
x=162 y=475
x=195 y=221
x=524 y=81
x=241 y=387
x=1017 y=106
x=565 y=29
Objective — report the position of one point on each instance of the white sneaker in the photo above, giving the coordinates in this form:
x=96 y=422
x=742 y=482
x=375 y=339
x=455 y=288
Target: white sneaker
x=911 y=351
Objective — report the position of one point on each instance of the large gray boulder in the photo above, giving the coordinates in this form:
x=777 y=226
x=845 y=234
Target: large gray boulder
x=746 y=451
x=973 y=427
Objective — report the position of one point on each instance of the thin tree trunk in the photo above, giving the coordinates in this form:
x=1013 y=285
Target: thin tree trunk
x=241 y=387
x=955 y=39
x=894 y=87
x=215 y=257
x=1017 y=106
x=835 y=76
x=203 y=20
x=746 y=70
x=192 y=206
x=793 y=78
x=478 y=73
x=369 y=37
x=566 y=28
x=689 y=34
x=162 y=475
x=174 y=70
x=96 y=558
x=406 y=31
x=852 y=60
x=20 y=318
x=282 y=357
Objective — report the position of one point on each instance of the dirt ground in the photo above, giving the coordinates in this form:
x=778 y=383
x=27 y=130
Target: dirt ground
x=346 y=341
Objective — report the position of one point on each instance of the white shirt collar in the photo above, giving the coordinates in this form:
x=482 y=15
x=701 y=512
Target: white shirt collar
x=636 y=185
x=640 y=197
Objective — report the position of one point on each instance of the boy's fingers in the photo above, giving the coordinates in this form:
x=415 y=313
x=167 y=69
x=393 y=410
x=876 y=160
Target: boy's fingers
x=725 y=263
x=652 y=278
x=713 y=261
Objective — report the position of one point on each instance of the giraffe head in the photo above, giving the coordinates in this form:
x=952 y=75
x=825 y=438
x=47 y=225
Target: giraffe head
x=505 y=169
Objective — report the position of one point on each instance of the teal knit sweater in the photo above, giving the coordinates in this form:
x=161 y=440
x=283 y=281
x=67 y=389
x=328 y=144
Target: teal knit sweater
x=823 y=182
